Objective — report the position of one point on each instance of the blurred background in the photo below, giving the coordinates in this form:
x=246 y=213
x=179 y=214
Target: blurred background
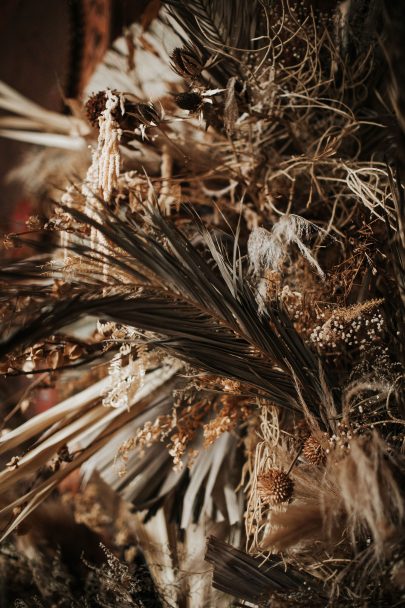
x=48 y=52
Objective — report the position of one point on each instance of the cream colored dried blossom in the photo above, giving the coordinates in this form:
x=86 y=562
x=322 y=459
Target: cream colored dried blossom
x=124 y=380
x=269 y=249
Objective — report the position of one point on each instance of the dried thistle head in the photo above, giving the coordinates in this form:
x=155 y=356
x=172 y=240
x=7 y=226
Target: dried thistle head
x=187 y=62
x=275 y=487
x=313 y=451
x=190 y=101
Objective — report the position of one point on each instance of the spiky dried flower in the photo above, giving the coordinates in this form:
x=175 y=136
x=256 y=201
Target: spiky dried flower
x=186 y=62
x=313 y=451
x=189 y=101
x=275 y=487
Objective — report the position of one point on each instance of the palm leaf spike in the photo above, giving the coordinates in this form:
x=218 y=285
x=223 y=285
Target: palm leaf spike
x=215 y=319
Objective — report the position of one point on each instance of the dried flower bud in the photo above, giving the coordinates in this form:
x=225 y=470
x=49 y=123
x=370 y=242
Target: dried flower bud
x=301 y=432
x=189 y=101
x=13 y=463
x=186 y=62
x=313 y=451
x=275 y=486
x=9 y=241
x=34 y=222
x=95 y=105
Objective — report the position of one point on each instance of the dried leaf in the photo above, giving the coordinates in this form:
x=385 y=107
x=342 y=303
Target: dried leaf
x=231 y=106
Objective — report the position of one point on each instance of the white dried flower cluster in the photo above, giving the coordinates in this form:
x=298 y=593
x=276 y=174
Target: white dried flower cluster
x=357 y=333
x=124 y=381
x=177 y=449
x=103 y=173
x=342 y=438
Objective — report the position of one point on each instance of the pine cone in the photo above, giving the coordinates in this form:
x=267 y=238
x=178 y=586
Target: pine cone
x=275 y=487
x=313 y=451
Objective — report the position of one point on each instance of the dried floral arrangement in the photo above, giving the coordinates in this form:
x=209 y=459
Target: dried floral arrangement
x=217 y=294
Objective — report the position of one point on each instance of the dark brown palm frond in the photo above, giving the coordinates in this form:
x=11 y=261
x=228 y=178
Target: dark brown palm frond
x=247 y=578
x=392 y=42
x=396 y=239
x=184 y=331
x=21 y=270
x=206 y=315
x=218 y=23
x=361 y=24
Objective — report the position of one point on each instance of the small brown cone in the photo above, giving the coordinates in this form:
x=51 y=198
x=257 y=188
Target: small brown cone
x=275 y=487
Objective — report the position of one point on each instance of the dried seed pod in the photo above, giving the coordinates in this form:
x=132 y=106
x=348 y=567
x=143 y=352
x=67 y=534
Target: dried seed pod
x=313 y=451
x=275 y=487
x=186 y=62
x=189 y=101
x=146 y=114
